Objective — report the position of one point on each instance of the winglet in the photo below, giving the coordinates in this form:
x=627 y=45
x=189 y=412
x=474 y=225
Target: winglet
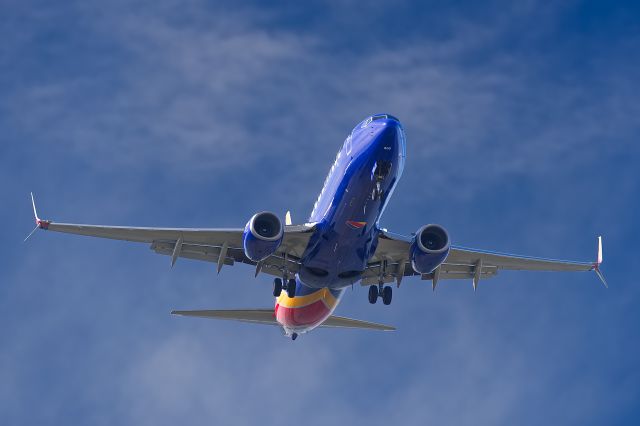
x=33 y=203
x=43 y=224
x=598 y=262
x=287 y=219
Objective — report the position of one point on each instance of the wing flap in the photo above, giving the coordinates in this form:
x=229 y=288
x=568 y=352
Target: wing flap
x=461 y=262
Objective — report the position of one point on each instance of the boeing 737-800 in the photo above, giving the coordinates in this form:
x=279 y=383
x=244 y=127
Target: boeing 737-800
x=340 y=245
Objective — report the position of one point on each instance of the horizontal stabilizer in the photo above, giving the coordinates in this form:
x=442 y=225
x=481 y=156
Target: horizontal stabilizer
x=342 y=322
x=266 y=316
x=257 y=316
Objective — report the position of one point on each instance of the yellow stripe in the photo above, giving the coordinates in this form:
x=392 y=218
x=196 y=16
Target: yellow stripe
x=299 y=301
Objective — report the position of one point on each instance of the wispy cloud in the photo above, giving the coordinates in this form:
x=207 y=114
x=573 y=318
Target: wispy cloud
x=190 y=113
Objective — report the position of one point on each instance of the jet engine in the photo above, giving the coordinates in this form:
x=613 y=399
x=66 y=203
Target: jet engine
x=262 y=236
x=429 y=249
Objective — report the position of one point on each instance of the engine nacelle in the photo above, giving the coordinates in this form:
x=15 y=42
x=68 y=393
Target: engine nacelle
x=262 y=236
x=429 y=249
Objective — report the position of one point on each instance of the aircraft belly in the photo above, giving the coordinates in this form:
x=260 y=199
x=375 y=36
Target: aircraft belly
x=346 y=234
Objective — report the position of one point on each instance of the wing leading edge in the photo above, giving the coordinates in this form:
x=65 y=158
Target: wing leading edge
x=223 y=246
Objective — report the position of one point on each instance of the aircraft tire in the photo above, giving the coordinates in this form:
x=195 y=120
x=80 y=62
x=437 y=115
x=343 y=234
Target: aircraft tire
x=373 y=294
x=387 y=294
x=277 y=287
x=291 y=288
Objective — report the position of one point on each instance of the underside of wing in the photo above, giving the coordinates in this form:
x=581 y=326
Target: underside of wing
x=221 y=246
x=392 y=261
x=466 y=256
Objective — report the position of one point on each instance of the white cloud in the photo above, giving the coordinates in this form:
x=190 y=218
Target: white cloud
x=223 y=94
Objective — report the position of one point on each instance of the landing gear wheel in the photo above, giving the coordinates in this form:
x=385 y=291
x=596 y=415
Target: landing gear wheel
x=373 y=294
x=387 y=292
x=294 y=336
x=291 y=287
x=277 y=287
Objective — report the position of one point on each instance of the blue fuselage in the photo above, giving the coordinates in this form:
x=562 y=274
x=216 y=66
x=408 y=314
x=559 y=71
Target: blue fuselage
x=354 y=195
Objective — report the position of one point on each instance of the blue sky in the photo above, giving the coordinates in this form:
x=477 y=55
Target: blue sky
x=522 y=127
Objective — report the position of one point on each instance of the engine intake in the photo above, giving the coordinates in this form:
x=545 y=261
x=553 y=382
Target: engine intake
x=262 y=236
x=429 y=249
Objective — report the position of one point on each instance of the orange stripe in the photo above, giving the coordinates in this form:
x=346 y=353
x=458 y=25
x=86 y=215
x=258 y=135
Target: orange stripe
x=299 y=301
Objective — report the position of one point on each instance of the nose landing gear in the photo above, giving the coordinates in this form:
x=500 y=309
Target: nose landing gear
x=377 y=192
x=380 y=172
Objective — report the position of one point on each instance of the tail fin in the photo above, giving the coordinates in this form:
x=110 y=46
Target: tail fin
x=266 y=316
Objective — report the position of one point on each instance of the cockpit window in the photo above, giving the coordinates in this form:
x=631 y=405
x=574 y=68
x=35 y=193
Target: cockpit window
x=366 y=122
x=384 y=117
x=376 y=117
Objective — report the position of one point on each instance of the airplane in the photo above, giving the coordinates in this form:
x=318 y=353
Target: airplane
x=340 y=245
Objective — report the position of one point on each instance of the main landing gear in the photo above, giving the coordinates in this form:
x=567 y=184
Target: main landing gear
x=277 y=287
x=375 y=291
x=289 y=287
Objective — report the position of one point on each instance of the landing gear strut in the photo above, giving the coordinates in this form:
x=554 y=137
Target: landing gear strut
x=380 y=173
x=386 y=292
x=377 y=192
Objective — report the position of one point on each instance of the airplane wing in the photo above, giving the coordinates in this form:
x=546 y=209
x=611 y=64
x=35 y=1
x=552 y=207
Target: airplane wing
x=221 y=246
x=391 y=262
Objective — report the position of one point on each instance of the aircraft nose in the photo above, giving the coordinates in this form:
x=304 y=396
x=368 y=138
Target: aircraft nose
x=388 y=137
